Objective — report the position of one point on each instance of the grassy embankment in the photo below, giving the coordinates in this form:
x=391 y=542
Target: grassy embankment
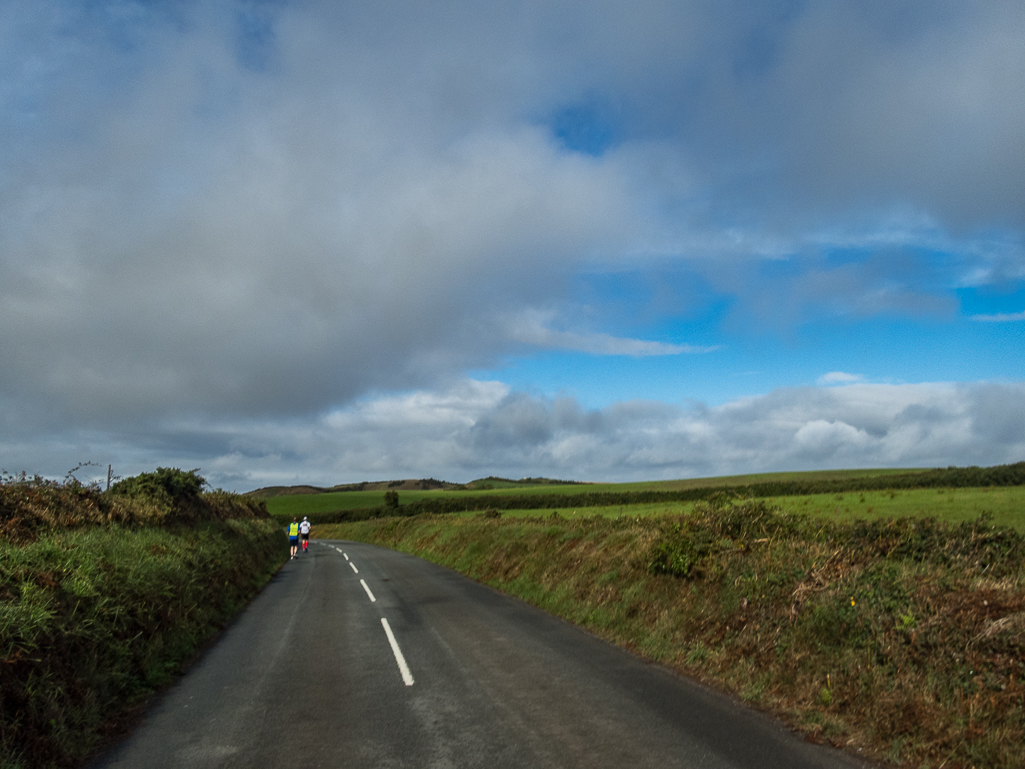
x=900 y=639
x=104 y=596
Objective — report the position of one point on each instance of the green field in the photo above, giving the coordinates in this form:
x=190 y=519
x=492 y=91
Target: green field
x=306 y=504
x=1005 y=504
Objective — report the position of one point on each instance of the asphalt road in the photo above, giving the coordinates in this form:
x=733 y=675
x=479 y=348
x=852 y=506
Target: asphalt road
x=356 y=656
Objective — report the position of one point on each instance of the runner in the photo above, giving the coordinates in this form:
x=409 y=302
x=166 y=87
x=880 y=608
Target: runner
x=304 y=532
x=293 y=536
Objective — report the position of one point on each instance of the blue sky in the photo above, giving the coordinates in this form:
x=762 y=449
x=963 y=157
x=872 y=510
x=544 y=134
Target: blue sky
x=322 y=242
x=949 y=346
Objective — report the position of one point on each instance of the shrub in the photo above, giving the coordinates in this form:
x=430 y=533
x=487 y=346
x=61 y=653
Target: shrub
x=724 y=524
x=30 y=507
x=166 y=486
x=674 y=557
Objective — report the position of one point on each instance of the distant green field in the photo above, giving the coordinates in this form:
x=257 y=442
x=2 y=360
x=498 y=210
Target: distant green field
x=1005 y=503
x=747 y=480
x=305 y=504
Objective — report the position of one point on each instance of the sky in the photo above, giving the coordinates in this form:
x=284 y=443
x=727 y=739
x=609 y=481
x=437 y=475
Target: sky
x=325 y=242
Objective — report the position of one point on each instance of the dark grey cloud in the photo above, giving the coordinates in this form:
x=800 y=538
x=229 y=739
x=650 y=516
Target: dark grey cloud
x=875 y=104
x=203 y=237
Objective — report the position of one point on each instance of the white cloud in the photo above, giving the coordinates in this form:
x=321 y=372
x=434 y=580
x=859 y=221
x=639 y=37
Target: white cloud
x=458 y=407
x=1000 y=317
x=530 y=331
x=839 y=377
x=819 y=437
x=474 y=429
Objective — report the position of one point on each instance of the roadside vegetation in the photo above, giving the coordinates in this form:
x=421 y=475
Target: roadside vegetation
x=104 y=596
x=900 y=639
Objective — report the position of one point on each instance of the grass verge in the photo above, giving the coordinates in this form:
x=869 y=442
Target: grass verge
x=103 y=598
x=903 y=640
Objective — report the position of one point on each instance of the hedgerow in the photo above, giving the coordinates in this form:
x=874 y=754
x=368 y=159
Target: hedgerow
x=105 y=595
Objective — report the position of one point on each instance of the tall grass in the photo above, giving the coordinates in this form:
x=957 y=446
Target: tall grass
x=903 y=640
x=103 y=597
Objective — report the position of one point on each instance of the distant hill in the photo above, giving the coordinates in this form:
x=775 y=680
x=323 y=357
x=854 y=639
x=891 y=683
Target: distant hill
x=423 y=484
x=493 y=482
x=284 y=491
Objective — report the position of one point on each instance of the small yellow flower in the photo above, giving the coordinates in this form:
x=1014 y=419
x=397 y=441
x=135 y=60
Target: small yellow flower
x=852 y=602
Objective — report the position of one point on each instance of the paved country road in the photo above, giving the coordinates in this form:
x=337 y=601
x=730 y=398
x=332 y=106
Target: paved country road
x=357 y=656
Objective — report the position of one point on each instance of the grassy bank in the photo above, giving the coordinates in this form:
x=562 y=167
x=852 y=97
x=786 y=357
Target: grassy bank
x=103 y=597
x=902 y=640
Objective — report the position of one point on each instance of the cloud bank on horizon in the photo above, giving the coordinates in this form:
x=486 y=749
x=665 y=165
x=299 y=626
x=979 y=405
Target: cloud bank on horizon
x=322 y=242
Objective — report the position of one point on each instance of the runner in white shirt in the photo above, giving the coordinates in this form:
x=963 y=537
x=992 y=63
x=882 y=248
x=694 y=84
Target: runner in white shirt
x=304 y=532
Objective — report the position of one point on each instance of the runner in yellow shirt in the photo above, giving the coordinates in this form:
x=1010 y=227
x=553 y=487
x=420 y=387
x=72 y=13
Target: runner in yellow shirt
x=293 y=536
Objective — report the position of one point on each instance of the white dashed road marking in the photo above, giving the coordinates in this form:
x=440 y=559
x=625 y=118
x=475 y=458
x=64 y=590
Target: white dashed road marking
x=367 y=588
x=407 y=677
